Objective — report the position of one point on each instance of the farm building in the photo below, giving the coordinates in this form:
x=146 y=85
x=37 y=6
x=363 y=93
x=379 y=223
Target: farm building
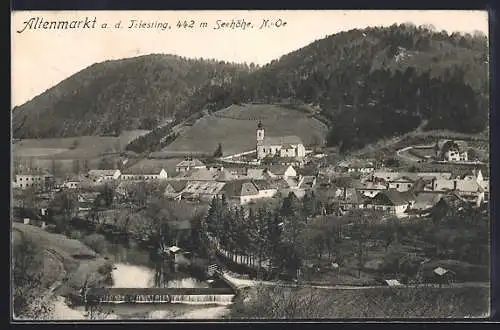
x=147 y=169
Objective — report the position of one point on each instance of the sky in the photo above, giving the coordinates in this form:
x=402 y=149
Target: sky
x=41 y=58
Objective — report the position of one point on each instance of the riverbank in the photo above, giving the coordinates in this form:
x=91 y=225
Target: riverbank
x=68 y=263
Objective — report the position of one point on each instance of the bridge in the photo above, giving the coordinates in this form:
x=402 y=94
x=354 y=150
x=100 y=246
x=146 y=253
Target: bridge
x=159 y=295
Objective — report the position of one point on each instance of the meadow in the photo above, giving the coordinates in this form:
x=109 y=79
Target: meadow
x=235 y=129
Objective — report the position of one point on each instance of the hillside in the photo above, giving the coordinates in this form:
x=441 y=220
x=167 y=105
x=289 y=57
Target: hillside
x=128 y=94
x=234 y=128
x=380 y=82
x=366 y=84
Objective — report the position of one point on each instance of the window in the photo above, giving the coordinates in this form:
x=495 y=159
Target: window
x=409 y=185
x=397 y=185
x=21 y=185
x=20 y=179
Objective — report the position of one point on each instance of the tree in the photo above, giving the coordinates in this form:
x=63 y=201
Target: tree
x=218 y=152
x=29 y=300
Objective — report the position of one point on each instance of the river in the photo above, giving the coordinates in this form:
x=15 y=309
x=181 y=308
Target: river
x=133 y=269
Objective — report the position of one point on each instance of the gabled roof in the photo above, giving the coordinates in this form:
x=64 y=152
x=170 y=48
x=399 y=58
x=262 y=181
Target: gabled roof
x=389 y=197
x=239 y=188
x=202 y=174
x=263 y=184
x=176 y=186
x=204 y=187
x=225 y=176
x=281 y=140
x=425 y=200
x=255 y=173
x=146 y=167
x=190 y=163
x=278 y=169
x=102 y=172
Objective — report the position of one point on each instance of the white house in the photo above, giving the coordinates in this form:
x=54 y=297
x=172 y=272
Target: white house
x=356 y=166
x=31 y=179
x=284 y=146
x=452 y=151
x=189 y=163
x=281 y=171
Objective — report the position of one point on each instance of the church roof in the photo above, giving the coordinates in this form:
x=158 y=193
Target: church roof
x=282 y=140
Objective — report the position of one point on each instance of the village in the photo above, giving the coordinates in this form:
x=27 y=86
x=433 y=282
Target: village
x=280 y=169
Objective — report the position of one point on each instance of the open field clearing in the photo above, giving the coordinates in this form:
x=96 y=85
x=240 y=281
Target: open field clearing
x=234 y=127
x=79 y=147
x=373 y=303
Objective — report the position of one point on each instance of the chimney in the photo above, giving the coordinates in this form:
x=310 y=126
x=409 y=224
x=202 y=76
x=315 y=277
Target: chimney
x=433 y=184
x=345 y=193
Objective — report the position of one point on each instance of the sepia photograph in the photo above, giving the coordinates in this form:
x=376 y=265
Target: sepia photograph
x=250 y=165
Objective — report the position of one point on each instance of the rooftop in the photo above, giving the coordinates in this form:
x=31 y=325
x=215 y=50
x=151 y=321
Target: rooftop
x=191 y=163
x=146 y=166
x=282 y=140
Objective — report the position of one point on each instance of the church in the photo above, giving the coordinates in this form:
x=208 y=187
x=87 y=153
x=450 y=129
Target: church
x=283 y=146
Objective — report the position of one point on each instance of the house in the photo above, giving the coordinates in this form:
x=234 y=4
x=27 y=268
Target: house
x=71 y=184
x=202 y=190
x=145 y=170
x=385 y=176
x=266 y=188
x=401 y=184
x=307 y=182
x=243 y=192
x=174 y=189
x=188 y=164
x=391 y=201
x=470 y=188
x=370 y=189
x=31 y=179
x=255 y=173
x=281 y=171
x=352 y=199
x=284 y=146
x=426 y=200
x=102 y=176
x=451 y=150
x=356 y=166
x=443 y=275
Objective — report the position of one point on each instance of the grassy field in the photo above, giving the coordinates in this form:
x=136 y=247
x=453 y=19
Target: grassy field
x=372 y=303
x=80 y=147
x=235 y=128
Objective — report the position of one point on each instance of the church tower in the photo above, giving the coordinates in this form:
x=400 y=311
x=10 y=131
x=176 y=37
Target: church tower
x=260 y=134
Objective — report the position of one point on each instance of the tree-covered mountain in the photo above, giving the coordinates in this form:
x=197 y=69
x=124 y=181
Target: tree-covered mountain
x=366 y=84
x=108 y=97
x=379 y=82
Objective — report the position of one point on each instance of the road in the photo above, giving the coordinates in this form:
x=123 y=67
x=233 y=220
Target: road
x=401 y=153
x=244 y=283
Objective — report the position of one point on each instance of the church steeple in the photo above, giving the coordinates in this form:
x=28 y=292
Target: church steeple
x=260 y=133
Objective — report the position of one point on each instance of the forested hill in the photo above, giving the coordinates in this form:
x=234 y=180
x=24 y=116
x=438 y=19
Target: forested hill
x=367 y=84
x=378 y=82
x=108 y=97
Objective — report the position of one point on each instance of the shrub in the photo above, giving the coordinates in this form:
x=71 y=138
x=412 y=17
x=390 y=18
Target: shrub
x=95 y=241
